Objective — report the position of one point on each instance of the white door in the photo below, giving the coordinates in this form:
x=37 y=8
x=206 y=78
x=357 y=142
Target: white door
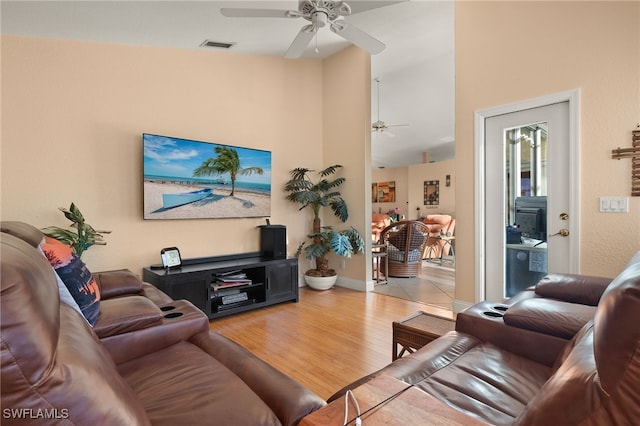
x=530 y=214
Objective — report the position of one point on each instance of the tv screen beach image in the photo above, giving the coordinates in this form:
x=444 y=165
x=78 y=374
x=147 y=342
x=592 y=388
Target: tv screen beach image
x=189 y=179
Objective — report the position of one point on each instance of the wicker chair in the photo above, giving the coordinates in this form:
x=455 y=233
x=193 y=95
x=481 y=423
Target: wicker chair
x=405 y=241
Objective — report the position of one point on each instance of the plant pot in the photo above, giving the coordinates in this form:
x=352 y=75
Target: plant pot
x=320 y=283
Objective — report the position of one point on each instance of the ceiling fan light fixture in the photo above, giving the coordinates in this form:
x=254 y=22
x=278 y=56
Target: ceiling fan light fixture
x=320 y=13
x=319 y=19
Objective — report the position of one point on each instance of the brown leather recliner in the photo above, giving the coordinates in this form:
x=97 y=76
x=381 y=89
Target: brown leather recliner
x=54 y=367
x=527 y=372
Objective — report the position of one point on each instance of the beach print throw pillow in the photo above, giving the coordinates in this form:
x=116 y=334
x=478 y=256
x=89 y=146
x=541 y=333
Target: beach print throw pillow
x=76 y=277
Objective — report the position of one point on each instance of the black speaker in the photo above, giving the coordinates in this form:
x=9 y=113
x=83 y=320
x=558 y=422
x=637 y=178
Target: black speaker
x=273 y=241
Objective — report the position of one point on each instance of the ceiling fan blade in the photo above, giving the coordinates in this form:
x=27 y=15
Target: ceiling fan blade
x=365 y=5
x=357 y=37
x=301 y=41
x=383 y=132
x=232 y=12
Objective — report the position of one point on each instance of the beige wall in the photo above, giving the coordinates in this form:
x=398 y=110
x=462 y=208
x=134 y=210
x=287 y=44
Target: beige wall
x=347 y=121
x=418 y=174
x=511 y=51
x=410 y=186
x=74 y=112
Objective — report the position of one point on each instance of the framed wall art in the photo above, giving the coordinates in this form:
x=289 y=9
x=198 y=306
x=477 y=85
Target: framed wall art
x=387 y=192
x=431 y=192
x=188 y=179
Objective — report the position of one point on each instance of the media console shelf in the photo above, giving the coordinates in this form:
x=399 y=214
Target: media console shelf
x=225 y=285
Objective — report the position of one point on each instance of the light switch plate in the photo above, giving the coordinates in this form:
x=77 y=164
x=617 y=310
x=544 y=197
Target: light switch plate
x=614 y=204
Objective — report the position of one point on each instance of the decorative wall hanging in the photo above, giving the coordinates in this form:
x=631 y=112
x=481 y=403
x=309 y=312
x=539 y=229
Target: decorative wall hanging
x=634 y=154
x=431 y=192
x=387 y=192
x=374 y=192
x=189 y=179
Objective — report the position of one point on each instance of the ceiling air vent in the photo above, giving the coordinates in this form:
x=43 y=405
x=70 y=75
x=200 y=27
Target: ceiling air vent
x=216 y=44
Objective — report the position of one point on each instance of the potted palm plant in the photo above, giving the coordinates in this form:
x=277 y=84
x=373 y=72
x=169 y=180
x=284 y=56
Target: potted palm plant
x=323 y=192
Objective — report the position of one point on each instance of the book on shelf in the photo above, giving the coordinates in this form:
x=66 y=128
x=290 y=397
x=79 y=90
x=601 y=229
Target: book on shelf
x=233 y=280
x=231 y=275
x=229 y=284
x=221 y=307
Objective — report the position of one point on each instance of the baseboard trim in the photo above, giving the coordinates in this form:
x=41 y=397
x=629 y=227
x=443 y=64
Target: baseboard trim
x=354 y=284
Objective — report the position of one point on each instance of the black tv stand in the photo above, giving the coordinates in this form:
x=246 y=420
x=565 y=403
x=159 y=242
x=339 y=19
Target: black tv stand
x=268 y=281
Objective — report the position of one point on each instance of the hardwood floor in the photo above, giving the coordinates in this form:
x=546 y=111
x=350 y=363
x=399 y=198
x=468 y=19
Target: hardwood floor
x=328 y=339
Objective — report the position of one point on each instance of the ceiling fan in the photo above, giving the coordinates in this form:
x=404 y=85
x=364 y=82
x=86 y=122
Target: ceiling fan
x=320 y=13
x=380 y=126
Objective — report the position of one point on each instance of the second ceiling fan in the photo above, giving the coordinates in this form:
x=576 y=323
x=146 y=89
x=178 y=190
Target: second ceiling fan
x=380 y=126
x=320 y=13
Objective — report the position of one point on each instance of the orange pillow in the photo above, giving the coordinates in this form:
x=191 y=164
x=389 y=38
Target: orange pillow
x=75 y=275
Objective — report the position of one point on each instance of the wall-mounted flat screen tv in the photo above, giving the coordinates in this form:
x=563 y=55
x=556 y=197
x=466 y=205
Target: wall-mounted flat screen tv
x=189 y=179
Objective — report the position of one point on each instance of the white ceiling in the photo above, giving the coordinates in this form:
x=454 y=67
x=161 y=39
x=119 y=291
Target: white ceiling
x=416 y=70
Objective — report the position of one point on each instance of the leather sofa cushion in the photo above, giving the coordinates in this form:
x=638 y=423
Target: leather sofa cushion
x=137 y=343
x=126 y=314
x=474 y=377
x=28 y=233
x=183 y=385
x=617 y=330
x=582 y=289
x=155 y=295
x=118 y=283
x=42 y=365
x=552 y=317
x=596 y=378
x=290 y=403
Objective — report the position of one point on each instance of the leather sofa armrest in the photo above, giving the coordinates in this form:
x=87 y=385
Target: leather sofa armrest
x=486 y=323
x=573 y=288
x=548 y=316
x=181 y=320
x=117 y=283
x=156 y=295
x=126 y=314
x=288 y=399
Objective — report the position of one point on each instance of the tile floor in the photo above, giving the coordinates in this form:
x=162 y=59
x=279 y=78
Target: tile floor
x=435 y=285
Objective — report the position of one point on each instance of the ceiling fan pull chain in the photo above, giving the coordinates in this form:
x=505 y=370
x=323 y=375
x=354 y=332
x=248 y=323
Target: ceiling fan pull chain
x=316 y=49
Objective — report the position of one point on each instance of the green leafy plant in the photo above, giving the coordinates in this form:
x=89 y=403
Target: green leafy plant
x=80 y=239
x=315 y=195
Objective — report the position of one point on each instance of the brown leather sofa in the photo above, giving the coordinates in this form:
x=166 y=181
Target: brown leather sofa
x=149 y=359
x=566 y=352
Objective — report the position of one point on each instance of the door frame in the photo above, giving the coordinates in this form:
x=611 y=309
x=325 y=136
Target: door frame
x=480 y=116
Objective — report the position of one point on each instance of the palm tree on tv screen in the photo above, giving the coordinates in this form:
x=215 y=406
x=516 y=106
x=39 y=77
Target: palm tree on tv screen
x=227 y=161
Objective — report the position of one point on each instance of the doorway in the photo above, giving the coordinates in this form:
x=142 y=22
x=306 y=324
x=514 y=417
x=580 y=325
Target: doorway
x=527 y=195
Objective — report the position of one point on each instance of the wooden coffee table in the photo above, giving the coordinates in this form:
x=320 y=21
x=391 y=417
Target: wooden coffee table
x=385 y=400
x=415 y=331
